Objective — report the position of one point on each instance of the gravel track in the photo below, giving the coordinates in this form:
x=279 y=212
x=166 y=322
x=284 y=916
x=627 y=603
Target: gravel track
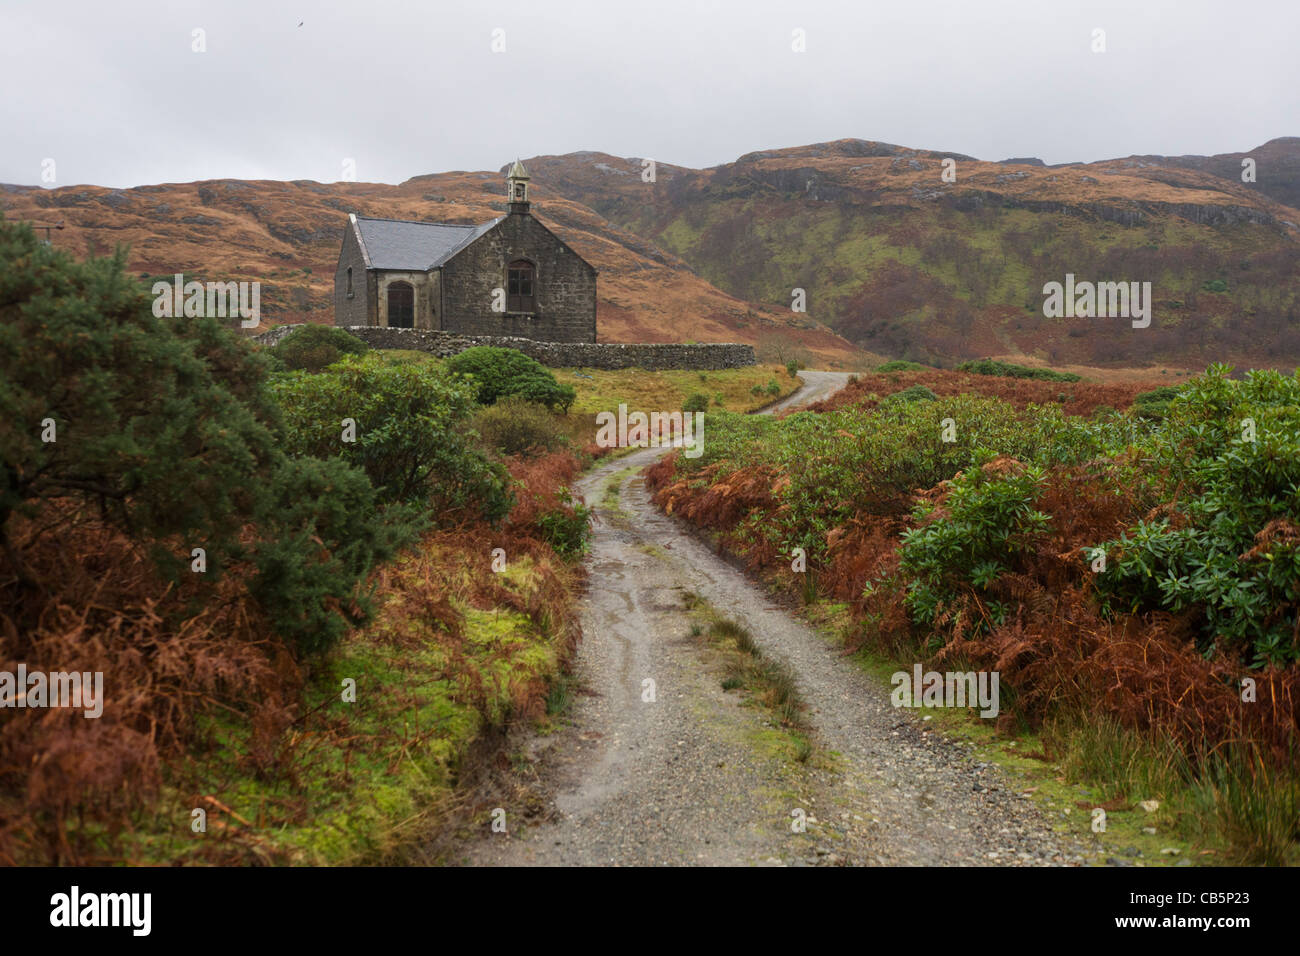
x=693 y=778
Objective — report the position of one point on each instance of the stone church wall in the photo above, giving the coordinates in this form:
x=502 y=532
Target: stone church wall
x=352 y=309
x=566 y=285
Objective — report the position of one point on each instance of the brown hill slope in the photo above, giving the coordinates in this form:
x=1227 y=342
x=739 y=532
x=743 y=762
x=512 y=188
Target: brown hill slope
x=903 y=263
x=1277 y=167
x=287 y=234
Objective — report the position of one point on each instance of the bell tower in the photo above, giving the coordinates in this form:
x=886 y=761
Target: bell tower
x=517 y=188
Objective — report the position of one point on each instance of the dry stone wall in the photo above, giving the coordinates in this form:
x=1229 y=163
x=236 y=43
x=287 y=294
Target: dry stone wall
x=602 y=355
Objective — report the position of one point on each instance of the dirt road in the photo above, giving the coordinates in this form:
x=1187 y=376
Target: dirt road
x=693 y=776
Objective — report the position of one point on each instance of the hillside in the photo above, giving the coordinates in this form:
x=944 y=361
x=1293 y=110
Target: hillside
x=902 y=263
x=1277 y=167
x=891 y=257
x=287 y=234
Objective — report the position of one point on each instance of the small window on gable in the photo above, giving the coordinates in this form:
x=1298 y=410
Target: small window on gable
x=350 y=292
x=521 y=287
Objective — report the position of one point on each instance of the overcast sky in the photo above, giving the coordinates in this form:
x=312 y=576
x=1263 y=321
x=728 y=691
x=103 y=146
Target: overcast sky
x=113 y=92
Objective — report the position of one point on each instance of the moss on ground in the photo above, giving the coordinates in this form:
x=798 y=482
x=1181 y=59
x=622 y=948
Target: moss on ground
x=369 y=778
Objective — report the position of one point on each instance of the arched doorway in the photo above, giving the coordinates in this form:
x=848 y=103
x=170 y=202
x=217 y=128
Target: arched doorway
x=401 y=306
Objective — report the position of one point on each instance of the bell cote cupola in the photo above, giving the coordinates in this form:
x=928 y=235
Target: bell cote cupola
x=517 y=188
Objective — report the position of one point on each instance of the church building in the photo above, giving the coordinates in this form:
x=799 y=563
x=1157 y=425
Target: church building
x=510 y=276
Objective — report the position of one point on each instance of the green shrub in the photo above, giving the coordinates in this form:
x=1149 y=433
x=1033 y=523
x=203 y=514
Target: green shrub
x=312 y=347
x=1230 y=555
x=773 y=387
x=898 y=365
x=1165 y=393
x=696 y=403
x=567 y=528
x=516 y=426
x=792 y=368
x=1155 y=403
x=1215 y=285
x=498 y=372
x=166 y=428
x=916 y=393
x=991 y=521
x=324 y=532
x=412 y=433
x=1007 y=370
x=886 y=454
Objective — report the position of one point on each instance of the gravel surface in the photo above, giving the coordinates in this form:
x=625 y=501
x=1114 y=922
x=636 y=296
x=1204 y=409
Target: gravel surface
x=692 y=777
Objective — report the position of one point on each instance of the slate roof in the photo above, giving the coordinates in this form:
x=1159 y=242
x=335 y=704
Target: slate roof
x=414 y=246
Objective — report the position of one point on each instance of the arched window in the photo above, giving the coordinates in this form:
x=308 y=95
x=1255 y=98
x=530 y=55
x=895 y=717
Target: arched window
x=401 y=305
x=521 y=286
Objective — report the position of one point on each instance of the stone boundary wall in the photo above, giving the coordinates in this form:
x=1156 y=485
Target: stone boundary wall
x=602 y=355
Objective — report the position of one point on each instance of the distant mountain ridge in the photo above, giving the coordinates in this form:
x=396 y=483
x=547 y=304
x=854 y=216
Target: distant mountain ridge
x=1277 y=165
